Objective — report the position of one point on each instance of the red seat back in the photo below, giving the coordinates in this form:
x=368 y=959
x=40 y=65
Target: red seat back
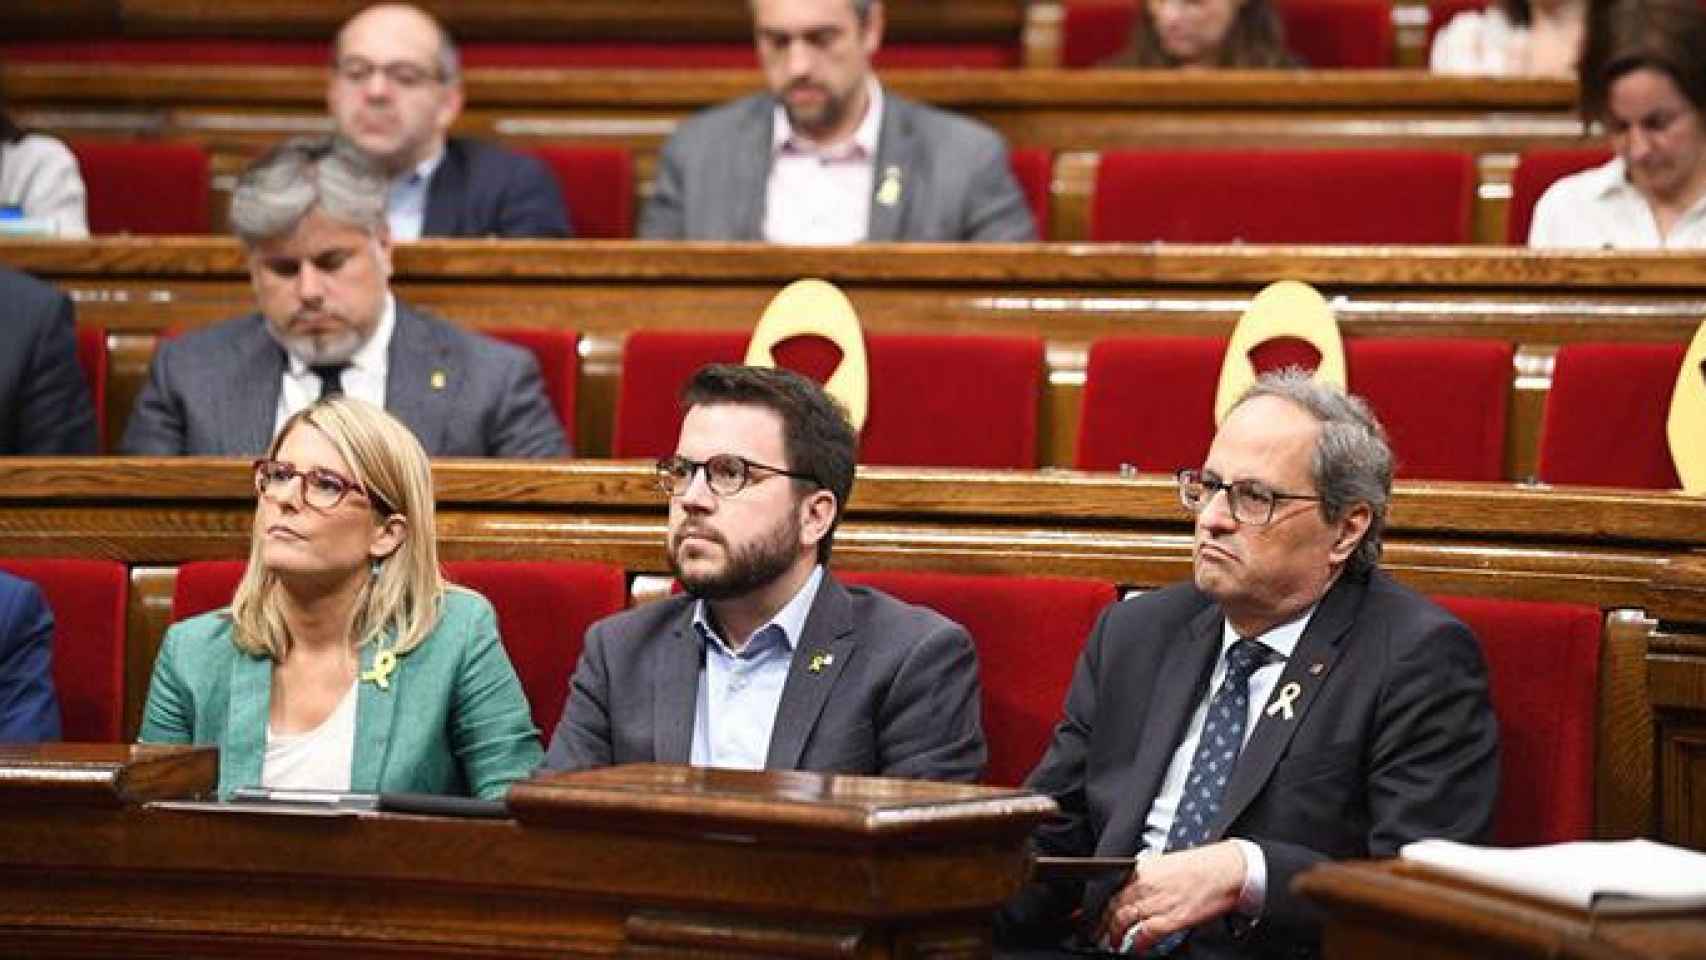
x=966 y=401
x=1543 y=668
x=88 y=600
x=92 y=360
x=1283 y=196
x=1028 y=632
x=597 y=185
x=145 y=187
x=557 y=352
x=1033 y=167
x=1605 y=416
x=1535 y=171
x=1149 y=402
x=543 y=611
x=1323 y=33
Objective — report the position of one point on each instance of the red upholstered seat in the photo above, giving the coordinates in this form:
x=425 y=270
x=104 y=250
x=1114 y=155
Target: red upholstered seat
x=88 y=602
x=1605 y=415
x=1149 y=402
x=145 y=187
x=92 y=359
x=1033 y=167
x=964 y=401
x=557 y=352
x=597 y=185
x=543 y=611
x=1323 y=33
x=1028 y=631
x=1535 y=171
x=1543 y=664
x=1283 y=196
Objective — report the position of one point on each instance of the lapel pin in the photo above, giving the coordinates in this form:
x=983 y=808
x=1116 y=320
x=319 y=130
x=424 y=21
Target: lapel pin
x=1287 y=696
x=439 y=379
x=889 y=193
x=1317 y=668
x=819 y=661
x=384 y=663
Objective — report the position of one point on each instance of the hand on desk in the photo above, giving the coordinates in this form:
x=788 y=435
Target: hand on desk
x=1173 y=892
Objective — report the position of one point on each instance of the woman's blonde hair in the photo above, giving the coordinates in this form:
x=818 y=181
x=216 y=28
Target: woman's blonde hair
x=402 y=598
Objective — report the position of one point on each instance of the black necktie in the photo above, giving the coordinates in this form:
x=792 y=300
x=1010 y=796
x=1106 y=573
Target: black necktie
x=331 y=378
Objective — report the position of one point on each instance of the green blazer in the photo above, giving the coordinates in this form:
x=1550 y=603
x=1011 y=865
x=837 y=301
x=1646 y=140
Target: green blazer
x=454 y=719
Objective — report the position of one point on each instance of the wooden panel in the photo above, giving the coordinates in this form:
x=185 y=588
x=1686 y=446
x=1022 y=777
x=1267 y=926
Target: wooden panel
x=1623 y=771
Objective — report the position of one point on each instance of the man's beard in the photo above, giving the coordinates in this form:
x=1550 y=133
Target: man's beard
x=745 y=570
x=825 y=118
x=335 y=347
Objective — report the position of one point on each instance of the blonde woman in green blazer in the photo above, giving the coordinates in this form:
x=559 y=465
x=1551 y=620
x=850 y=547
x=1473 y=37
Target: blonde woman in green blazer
x=345 y=662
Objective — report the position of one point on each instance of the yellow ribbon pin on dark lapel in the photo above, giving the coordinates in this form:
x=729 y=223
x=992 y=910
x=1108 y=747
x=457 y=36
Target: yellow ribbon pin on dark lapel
x=820 y=660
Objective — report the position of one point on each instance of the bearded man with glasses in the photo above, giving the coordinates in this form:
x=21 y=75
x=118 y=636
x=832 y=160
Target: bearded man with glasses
x=766 y=661
x=1292 y=704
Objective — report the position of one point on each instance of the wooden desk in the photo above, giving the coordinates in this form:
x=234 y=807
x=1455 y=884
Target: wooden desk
x=647 y=860
x=1395 y=909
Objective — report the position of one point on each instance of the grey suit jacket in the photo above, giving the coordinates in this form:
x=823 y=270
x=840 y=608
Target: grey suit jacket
x=955 y=180
x=215 y=392
x=897 y=697
x=1393 y=739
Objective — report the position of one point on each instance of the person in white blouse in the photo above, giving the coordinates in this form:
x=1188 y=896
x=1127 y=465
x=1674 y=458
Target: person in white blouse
x=41 y=188
x=1514 y=38
x=1643 y=79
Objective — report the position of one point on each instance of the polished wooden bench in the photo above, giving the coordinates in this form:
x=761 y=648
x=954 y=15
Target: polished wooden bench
x=1069 y=295
x=1637 y=556
x=236 y=111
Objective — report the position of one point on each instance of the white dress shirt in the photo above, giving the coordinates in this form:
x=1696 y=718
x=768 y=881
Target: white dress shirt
x=821 y=193
x=1600 y=208
x=364 y=380
x=1282 y=640
x=405 y=205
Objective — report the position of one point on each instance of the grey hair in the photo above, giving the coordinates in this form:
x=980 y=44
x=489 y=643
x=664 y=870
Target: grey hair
x=301 y=175
x=1352 y=462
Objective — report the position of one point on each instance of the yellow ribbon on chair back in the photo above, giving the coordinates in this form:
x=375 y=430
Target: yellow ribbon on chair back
x=1686 y=427
x=818 y=308
x=1283 y=309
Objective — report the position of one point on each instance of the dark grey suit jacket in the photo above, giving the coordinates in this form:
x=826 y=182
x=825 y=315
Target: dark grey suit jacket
x=1393 y=739
x=898 y=698
x=215 y=392
x=955 y=180
x=483 y=190
x=45 y=409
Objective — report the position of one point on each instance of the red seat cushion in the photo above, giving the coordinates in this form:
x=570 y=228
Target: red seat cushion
x=557 y=352
x=1029 y=631
x=1605 y=415
x=966 y=401
x=145 y=187
x=1034 y=169
x=88 y=600
x=1543 y=669
x=1290 y=196
x=92 y=360
x=598 y=186
x=543 y=611
x=1535 y=171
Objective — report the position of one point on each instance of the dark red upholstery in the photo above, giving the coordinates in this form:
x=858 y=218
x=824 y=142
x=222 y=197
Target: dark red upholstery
x=1535 y=171
x=1323 y=33
x=964 y=401
x=1605 y=415
x=543 y=611
x=1543 y=664
x=88 y=602
x=598 y=187
x=92 y=360
x=1283 y=196
x=1028 y=631
x=1149 y=402
x=1033 y=167
x=144 y=187
x=557 y=352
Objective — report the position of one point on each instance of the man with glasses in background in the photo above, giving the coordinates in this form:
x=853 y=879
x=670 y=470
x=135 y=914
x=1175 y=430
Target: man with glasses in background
x=311 y=215
x=1293 y=704
x=394 y=91
x=767 y=661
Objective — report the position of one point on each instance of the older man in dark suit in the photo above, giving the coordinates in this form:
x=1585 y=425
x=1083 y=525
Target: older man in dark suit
x=44 y=401
x=828 y=155
x=1292 y=705
x=767 y=661
x=311 y=215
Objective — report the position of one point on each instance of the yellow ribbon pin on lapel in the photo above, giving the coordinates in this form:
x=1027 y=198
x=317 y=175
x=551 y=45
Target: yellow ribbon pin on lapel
x=384 y=664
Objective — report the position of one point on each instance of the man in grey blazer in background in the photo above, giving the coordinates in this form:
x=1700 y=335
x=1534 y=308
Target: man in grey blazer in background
x=311 y=215
x=767 y=661
x=828 y=155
